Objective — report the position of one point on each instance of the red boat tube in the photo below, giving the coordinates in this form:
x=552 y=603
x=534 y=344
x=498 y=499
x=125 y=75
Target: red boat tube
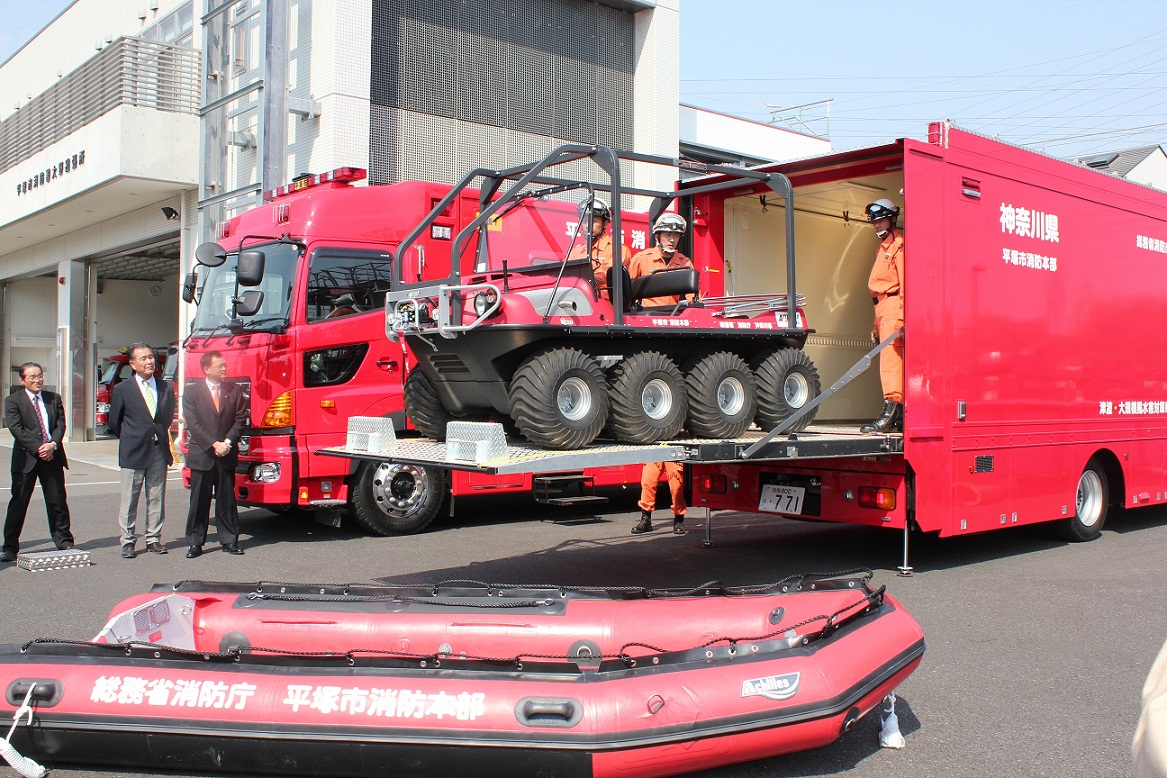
x=464 y=678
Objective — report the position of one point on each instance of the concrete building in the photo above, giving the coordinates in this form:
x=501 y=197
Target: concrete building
x=709 y=136
x=137 y=126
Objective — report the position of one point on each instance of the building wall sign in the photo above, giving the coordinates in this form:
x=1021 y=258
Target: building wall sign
x=51 y=173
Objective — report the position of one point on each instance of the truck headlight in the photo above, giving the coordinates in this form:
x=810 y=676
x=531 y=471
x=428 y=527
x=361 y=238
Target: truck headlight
x=266 y=472
x=484 y=301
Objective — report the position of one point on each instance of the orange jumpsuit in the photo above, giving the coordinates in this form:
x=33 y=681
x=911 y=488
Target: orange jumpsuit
x=649 y=261
x=601 y=259
x=886 y=285
x=650 y=477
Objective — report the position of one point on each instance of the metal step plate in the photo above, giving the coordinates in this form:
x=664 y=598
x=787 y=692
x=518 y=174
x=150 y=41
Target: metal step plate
x=40 y=561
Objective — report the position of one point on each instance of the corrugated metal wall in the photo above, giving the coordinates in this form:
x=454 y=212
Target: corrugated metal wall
x=457 y=85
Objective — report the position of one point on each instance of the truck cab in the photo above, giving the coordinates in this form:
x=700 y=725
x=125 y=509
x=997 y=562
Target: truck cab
x=293 y=296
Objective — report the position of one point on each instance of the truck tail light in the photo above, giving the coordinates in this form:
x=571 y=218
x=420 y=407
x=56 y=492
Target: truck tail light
x=280 y=413
x=880 y=498
x=711 y=484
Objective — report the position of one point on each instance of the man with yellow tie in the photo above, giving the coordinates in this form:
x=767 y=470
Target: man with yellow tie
x=140 y=412
x=213 y=411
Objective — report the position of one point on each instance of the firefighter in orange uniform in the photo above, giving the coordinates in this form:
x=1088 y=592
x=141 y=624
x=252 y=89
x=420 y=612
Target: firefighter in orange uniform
x=649 y=478
x=886 y=285
x=667 y=231
x=601 y=242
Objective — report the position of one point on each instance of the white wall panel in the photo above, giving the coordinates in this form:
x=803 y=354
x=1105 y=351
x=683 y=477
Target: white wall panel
x=70 y=39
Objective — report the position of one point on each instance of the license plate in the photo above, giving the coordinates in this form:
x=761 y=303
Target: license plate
x=781 y=499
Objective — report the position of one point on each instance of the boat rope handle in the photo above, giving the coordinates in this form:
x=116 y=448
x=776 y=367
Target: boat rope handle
x=24 y=708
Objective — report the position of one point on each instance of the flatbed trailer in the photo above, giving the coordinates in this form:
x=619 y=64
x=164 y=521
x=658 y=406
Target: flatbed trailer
x=818 y=441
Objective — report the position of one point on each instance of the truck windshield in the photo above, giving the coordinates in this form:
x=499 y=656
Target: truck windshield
x=111 y=371
x=279 y=276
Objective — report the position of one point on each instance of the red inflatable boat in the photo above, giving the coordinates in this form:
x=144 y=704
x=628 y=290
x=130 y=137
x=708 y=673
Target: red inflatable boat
x=462 y=678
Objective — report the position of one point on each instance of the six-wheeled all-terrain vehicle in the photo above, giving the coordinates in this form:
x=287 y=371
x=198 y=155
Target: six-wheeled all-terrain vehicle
x=523 y=331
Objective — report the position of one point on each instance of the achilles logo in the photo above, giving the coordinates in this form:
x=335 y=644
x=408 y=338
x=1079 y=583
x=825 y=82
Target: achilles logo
x=776 y=687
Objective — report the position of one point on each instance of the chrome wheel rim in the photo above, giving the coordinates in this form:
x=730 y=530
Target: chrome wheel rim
x=1089 y=500
x=796 y=390
x=574 y=399
x=656 y=399
x=731 y=396
x=397 y=488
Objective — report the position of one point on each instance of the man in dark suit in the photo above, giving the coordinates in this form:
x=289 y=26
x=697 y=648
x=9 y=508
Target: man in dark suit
x=140 y=412
x=213 y=411
x=36 y=419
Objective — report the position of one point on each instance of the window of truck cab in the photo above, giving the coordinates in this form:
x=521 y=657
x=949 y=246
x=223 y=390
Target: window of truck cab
x=346 y=282
x=218 y=288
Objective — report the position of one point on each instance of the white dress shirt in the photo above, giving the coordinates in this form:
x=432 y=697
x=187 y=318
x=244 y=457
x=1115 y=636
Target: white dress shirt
x=35 y=399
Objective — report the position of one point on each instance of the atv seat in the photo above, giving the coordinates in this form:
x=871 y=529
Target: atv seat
x=669 y=282
x=626 y=288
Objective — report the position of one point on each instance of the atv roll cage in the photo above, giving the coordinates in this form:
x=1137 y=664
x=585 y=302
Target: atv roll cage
x=496 y=198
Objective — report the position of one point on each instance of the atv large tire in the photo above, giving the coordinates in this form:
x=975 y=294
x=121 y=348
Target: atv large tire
x=722 y=395
x=391 y=498
x=559 y=399
x=648 y=399
x=426 y=411
x=786 y=380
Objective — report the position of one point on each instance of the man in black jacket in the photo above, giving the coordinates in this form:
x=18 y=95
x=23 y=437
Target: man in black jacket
x=36 y=419
x=140 y=412
x=213 y=411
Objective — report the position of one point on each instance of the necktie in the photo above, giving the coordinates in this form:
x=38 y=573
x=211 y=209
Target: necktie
x=148 y=393
x=40 y=416
x=215 y=396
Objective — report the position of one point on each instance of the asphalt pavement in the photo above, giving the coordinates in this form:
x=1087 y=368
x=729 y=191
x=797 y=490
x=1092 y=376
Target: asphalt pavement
x=1037 y=649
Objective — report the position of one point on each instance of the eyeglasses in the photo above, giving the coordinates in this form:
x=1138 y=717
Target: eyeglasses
x=37 y=377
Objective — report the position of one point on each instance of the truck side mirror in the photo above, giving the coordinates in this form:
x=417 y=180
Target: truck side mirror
x=189 y=284
x=249 y=271
x=249 y=302
x=210 y=254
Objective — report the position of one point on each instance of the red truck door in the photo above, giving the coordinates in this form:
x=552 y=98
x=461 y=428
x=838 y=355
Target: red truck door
x=347 y=367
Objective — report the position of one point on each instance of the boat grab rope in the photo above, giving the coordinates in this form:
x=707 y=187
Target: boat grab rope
x=793 y=583
x=870 y=598
x=403 y=599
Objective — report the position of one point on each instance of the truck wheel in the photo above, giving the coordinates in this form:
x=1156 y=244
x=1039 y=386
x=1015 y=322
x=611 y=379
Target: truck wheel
x=426 y=411
x=648 y=399
x=787 y=380
x=390 y=498
x=559 y=399
x=1090 y=504
x=722 y=396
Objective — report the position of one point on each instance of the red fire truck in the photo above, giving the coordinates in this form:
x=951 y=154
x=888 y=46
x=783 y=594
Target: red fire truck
x=1035 y=311
x=296 y=305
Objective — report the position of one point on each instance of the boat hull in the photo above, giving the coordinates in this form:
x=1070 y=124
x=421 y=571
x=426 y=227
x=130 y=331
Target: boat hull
x=639 y=711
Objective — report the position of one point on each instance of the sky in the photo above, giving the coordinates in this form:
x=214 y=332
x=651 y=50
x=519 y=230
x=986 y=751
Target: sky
x=1067 y=77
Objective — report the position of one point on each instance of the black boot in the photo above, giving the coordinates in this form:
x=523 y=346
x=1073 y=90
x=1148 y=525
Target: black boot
x=888 y=421
x=645 y=524
x=678 y=525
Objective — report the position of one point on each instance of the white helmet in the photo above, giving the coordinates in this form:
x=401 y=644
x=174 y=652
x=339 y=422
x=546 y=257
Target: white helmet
x=670 y=222
x=882 y=209
x=597 y=206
